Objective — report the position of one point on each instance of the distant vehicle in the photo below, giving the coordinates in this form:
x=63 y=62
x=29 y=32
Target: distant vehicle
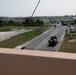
x=58 y=23
x=72 y=30
x=54 y=25
x=52 y=41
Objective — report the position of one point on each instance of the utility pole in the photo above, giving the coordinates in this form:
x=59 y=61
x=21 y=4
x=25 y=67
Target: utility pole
x=35 y=8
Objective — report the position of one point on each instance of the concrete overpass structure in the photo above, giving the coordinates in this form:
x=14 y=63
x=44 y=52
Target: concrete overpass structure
x=30 y=62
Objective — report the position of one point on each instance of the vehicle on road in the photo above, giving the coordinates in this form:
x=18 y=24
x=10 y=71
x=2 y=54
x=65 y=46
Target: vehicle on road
x=54 y=25
x=72 y=30
x=52 y=41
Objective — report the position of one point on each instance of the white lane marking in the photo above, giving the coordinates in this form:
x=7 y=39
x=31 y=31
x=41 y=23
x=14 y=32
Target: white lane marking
x=43 y=42
x=61 y=40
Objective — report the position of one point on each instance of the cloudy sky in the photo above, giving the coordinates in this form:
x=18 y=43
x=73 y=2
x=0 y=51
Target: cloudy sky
x=22 y=8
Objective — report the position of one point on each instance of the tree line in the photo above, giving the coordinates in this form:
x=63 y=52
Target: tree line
x=27 y=22
x=32 y=22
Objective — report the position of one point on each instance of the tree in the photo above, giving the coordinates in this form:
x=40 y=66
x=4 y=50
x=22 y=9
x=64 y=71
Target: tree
x=42 y=22
x=11 y=22
x=1 y=23
x=75 y=21
x=29 y=22
x=39 y=22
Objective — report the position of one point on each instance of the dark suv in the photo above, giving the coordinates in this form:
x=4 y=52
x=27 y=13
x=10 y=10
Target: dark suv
x=53 y=41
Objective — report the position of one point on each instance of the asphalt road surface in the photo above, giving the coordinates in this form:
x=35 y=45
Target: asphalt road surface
x=41 y=42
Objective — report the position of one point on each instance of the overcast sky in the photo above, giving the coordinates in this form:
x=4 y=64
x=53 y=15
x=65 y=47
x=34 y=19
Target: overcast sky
x=22 y=8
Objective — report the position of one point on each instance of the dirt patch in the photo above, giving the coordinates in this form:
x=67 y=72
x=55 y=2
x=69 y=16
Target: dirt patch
x=72 y=40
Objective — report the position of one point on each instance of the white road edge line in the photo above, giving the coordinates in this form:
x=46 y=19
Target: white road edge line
x=61 y=41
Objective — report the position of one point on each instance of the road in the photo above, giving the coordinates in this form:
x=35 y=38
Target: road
x=60 y=36
x=41 y=42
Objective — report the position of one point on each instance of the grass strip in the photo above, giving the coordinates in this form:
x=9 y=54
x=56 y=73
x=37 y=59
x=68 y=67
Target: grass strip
x=9 y=28
x=68 y=46
x=17 y=40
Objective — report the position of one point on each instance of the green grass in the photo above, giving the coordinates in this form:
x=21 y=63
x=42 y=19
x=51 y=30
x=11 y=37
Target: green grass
x=9 y=28
x=68 y=46
x=19 y=39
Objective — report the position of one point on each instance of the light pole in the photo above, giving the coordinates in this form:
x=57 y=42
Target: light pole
x=35 y=8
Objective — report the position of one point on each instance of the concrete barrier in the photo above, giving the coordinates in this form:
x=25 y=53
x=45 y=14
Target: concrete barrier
x=26 y=62
x=8 y=35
